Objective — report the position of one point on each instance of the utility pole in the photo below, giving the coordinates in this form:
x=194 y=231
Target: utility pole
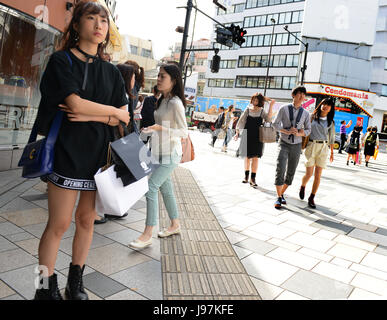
x=268 y=63
x=303 y=68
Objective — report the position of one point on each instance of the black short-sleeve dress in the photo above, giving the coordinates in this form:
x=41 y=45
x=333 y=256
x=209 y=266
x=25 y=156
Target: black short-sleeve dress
x=81 y=147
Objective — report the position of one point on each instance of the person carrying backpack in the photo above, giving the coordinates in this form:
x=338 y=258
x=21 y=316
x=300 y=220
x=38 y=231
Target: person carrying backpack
x=354 y=143
x=293 y=123
x=218 y=125
x=371 y=143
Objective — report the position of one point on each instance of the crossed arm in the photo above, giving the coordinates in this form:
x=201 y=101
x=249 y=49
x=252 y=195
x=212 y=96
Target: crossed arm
x=82 y=110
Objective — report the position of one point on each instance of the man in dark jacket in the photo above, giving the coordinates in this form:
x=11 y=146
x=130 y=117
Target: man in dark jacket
x=218 y=124
x=148 y=109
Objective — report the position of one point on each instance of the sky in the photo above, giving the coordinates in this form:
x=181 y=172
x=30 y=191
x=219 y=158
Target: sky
x=157 y=20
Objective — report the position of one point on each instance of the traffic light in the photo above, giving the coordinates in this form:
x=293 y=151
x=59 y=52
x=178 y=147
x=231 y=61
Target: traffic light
x=237 y=34
x=224 y=36
x=215 y=63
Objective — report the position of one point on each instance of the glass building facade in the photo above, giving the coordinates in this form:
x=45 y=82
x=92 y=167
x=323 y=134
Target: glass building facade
x=25 y=47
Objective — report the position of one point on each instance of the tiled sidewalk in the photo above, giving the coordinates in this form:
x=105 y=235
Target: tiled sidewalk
x=198 y=264
x=337 y=251
x=114 y=271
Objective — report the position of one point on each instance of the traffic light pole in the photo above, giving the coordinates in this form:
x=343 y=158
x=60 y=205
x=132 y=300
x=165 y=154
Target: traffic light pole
x=268 y=63
x=185 y=34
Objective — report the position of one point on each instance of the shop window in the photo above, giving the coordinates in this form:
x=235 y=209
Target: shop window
x=24 y=53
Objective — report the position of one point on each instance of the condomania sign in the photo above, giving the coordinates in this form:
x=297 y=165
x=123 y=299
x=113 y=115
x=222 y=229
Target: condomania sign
x=364 y=99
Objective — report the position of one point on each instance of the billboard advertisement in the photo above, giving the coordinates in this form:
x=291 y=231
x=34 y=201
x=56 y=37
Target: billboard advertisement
x=357 y=119
x=351 y=21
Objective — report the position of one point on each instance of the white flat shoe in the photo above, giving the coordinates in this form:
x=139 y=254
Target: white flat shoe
x=165 y=233
x=138 y=244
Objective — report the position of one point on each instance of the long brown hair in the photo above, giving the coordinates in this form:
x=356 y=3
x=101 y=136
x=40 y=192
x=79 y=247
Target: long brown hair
x=70 y=37
x=127 y=73
x=139 y=72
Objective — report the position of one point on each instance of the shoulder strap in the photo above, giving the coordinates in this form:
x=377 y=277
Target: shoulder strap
x=299 y=115
x=291 y=116
x=69 y=58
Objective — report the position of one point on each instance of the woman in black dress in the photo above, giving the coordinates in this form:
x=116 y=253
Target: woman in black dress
x=250 y=147
x=79 y=80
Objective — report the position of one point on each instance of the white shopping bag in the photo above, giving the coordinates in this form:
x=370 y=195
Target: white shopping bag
x=112 y=197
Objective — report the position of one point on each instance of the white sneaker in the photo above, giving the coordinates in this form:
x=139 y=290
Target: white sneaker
x=165 y=233
x=138 y=244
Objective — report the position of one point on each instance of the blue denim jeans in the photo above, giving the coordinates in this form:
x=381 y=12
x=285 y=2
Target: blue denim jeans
x=161 y=180
x=228 y=137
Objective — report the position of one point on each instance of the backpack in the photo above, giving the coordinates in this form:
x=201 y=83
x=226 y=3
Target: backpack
x=218 y=123
x=371 y=138
x=355 y=139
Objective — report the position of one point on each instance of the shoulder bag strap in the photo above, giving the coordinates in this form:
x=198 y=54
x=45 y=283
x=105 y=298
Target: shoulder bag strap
x=291 y=116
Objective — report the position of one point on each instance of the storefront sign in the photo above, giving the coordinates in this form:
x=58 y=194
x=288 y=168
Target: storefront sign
x=364 y=99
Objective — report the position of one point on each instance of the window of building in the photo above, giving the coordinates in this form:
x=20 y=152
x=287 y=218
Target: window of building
x=259 y=61
x=133 y=50
x=385 y=64
x=24 y=53
x=280 y=18
x=146 y=53
x=259 y=82
x=384 y=90
x=227 y=64
x=239 y=7
x=264 y=3
x=221 y=83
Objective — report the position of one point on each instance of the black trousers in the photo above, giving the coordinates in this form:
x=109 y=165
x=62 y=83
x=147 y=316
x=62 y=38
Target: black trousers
x=343 y=138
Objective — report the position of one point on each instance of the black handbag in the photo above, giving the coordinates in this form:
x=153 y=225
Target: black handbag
x=37 y=159
x=132 y=157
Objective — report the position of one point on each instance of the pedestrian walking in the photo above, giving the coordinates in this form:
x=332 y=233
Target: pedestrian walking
x=170 y=126
x=343 y=134
x=87 y=88
x=218 y=126
x=354 y=143
x=293 y=123
x=227 y=126
x=250 y=147
x=371 y=144
x=321 y=141
x=139 y=83
x=147 y=111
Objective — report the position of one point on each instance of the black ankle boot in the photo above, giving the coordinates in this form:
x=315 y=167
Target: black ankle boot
x=50 y=293
x=247 y=173
x=74 y=287
x=311 y=201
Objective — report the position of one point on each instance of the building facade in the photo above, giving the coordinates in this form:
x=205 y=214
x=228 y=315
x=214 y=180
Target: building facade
x=244 y=68
x=346 y=56
x=197 y=61
x=139 y=50
x=379 y=69
x=30 y=32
